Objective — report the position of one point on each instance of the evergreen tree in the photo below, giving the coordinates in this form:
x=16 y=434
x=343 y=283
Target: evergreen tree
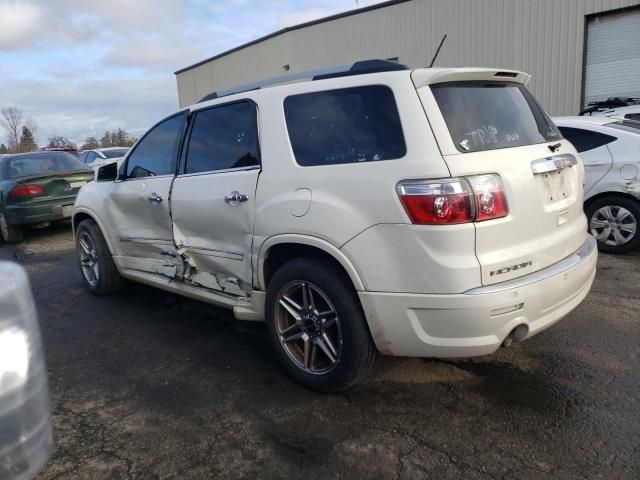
x=3 y=149
x=27 y=142
x=105 y=141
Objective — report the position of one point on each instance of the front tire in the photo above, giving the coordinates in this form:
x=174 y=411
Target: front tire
x=99 y=272
x=10 y=233
x=615 y=223
x=317 y=326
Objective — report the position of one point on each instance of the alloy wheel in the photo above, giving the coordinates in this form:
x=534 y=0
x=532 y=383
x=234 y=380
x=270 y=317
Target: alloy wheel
x=308 y=327
x=613 y=225
x=4 y=227
x=89 y=259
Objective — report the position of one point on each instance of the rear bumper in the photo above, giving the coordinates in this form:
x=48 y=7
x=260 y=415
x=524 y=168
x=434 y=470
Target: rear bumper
x=46 y=212
x=478 y=321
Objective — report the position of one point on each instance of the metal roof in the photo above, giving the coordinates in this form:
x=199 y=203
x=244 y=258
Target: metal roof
x=295 y=27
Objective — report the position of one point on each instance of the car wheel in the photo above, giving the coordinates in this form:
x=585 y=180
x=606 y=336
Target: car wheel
x=317 y=326
x=614 y=221
x=10 y=233
x=98 y=270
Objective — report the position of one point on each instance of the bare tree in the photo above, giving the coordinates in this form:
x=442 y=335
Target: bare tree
x=12 y=121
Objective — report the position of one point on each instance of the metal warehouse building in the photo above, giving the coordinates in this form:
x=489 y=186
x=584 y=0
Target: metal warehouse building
x=576 y=50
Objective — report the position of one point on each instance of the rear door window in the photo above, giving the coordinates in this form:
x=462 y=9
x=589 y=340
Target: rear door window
x=348 y=125
x=223 y=138
x=491 y=115
x=585 y=140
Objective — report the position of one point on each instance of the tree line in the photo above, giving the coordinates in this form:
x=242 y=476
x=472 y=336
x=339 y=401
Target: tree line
x=21 y=135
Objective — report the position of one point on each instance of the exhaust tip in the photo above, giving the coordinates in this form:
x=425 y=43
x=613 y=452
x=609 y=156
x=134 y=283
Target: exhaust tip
x=518 y=334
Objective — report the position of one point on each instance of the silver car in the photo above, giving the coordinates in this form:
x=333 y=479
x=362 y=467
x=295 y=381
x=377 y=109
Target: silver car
x=609 y=149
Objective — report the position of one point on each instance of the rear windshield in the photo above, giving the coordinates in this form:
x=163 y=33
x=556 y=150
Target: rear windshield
x=44 y=164
x=491 y=115
x=115 y=153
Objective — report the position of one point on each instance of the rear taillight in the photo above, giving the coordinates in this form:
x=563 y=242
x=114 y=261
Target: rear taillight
x=22 y=191
x=456 y=200
x=491 y=201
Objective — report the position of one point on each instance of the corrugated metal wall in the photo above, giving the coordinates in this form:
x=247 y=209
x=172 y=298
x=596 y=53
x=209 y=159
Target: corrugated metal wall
x=542 y=37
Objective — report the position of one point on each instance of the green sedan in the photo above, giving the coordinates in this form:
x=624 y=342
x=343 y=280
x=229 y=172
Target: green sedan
x=38 y=188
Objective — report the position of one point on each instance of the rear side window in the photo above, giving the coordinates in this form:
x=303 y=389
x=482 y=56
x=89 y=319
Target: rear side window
x=44 y=164
x=585 y=140
x=223 y=137
x=348 y=125
x=156 y=153
x=491 y=115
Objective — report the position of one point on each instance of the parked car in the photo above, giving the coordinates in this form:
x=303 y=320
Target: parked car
x=429 y=213
x=609 y=149
x=38 y=188
x=102 y=156
x=25 y=417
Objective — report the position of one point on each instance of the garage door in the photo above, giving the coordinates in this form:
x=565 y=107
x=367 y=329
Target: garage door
x=613 y=56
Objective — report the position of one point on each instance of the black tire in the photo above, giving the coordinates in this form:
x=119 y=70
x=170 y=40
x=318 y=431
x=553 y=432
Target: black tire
x=358 y=353
x=595 y=219
x=10 y=233
x=108 y=279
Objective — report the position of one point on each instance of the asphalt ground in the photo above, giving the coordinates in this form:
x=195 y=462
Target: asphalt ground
x=148 y=385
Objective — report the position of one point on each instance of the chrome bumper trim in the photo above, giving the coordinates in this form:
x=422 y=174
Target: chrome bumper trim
x=571 y=261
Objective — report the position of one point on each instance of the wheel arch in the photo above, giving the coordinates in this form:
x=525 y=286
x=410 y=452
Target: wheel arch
x=82 y=214
x=276 y=251
x=610 y=193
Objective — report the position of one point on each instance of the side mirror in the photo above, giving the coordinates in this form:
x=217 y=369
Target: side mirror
x=107 y=173
x=25 y=416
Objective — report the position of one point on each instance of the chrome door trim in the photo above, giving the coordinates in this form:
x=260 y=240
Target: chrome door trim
x=226 y=170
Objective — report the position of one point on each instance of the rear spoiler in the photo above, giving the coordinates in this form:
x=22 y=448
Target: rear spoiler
x=428 y=76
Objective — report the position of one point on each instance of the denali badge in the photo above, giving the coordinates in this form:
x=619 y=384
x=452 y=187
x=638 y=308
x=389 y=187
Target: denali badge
x=518 y=266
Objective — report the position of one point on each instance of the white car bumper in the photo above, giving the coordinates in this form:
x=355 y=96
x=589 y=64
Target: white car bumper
x=478 y=321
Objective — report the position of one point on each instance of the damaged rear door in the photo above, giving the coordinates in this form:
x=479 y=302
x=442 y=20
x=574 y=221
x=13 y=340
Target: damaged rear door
x=139 y=201
x=213 y=197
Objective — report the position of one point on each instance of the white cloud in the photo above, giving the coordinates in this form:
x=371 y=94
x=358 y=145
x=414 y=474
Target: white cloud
x=76 y=109
x=296 y=18
x=19 y=23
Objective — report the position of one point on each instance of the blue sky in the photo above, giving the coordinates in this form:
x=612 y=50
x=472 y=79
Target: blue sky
x=80 y=66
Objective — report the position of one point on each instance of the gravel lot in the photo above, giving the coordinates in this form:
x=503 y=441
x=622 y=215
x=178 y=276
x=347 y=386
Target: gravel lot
x=148 y=385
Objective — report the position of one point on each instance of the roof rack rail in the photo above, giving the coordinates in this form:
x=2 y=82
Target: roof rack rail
x=358 y=68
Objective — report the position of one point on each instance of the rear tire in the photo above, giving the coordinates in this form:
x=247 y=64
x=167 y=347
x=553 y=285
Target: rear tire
x=615 y=223
x=10 y=233
x=329 y=348
x=99 y=272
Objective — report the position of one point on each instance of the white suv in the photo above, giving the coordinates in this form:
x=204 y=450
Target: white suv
x=373 y=208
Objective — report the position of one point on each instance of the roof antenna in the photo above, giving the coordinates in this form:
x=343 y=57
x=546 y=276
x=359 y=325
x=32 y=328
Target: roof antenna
x=438 y=51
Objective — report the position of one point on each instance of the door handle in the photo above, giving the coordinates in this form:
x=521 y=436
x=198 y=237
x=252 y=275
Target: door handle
x=236 y=197
x=154 y=197
x=595 y=164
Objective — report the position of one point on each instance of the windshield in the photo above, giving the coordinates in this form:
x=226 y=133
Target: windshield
x=115 y=153
x=491 y=115
x=44 y=164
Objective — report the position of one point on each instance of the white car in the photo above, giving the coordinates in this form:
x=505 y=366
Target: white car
x=609 y=149
x=102 y=156
x=363 y=209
